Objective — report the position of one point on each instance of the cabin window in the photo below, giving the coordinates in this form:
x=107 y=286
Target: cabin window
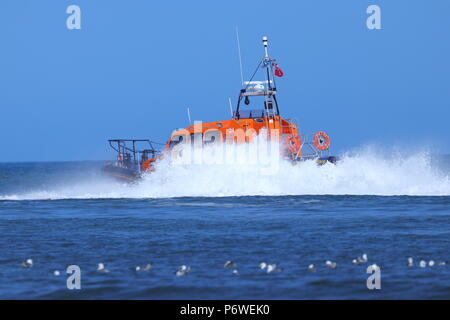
x=212 y=136
x=176 y=140
x=196 y=138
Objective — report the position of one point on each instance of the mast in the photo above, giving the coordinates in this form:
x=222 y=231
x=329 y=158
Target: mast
x=256 y=88
x=269 y=99
x=265 y=40
x=267 y=61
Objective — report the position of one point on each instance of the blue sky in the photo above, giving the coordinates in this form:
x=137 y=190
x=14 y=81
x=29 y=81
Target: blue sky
x=135 y=66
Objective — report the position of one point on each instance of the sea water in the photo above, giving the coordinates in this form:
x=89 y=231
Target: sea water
x=389 y=207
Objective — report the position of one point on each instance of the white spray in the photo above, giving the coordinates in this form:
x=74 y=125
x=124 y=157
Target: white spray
x=366 y=172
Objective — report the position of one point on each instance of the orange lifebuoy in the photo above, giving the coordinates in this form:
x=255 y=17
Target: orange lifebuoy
x=322 y=140
x=293 y=143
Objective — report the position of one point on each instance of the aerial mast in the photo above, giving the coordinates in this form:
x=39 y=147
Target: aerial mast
x=256 y=88
x=270 y=98
x=265 y=40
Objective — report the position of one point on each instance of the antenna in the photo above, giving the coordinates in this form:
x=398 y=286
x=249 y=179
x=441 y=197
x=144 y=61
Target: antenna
x=189 y=115
x=239 y=52
x=265 y=40
x=231 y=107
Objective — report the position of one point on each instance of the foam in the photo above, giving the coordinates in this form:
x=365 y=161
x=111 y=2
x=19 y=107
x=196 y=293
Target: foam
x=362 y=172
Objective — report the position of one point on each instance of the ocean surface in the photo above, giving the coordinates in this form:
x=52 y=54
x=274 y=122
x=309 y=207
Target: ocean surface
x=68 y=213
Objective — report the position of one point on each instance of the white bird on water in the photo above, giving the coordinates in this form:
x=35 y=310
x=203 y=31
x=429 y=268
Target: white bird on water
x=230 y=264
x=272 y=268
x=363 y=259
x=311 y=268
x=410 y=262
x=27 y=264
x=56 y=273
x=360 y=260
x=101 y=268
x=148 y=267
x=430 y=263
x=183 y=270
x=330 y=264
x=269 y=267
x=423 y=263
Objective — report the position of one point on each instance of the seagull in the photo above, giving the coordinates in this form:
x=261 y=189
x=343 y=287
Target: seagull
x=272 y=268
x=101 y=268
x=363 y=259
x=410 y=262
x=331 y=265
x=422 y=264
x=430 y=263
x=235 y=271
x=148 y=267
x=230 y=264
x=56 y=273
x=360 y=260
x=27 y=264
x=182 y=271
x=311 y=268
x=262 y=265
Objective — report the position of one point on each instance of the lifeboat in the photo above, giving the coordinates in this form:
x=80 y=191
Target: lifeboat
x=246 y=123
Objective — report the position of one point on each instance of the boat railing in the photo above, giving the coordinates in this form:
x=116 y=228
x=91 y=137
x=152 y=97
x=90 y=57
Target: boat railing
x=308 y=150
x=129 y=156
x=249 y=93
x=290 y=126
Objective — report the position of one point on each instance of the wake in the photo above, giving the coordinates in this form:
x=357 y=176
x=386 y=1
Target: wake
x=365 y=172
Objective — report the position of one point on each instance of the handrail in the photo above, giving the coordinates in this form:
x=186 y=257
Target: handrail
x=121 y=144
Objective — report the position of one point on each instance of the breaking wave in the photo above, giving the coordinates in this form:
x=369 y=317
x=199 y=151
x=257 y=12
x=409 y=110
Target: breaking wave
x=363 y=172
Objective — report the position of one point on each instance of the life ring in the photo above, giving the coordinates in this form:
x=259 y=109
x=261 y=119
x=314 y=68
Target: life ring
x=293 y=143
x=322 y=140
